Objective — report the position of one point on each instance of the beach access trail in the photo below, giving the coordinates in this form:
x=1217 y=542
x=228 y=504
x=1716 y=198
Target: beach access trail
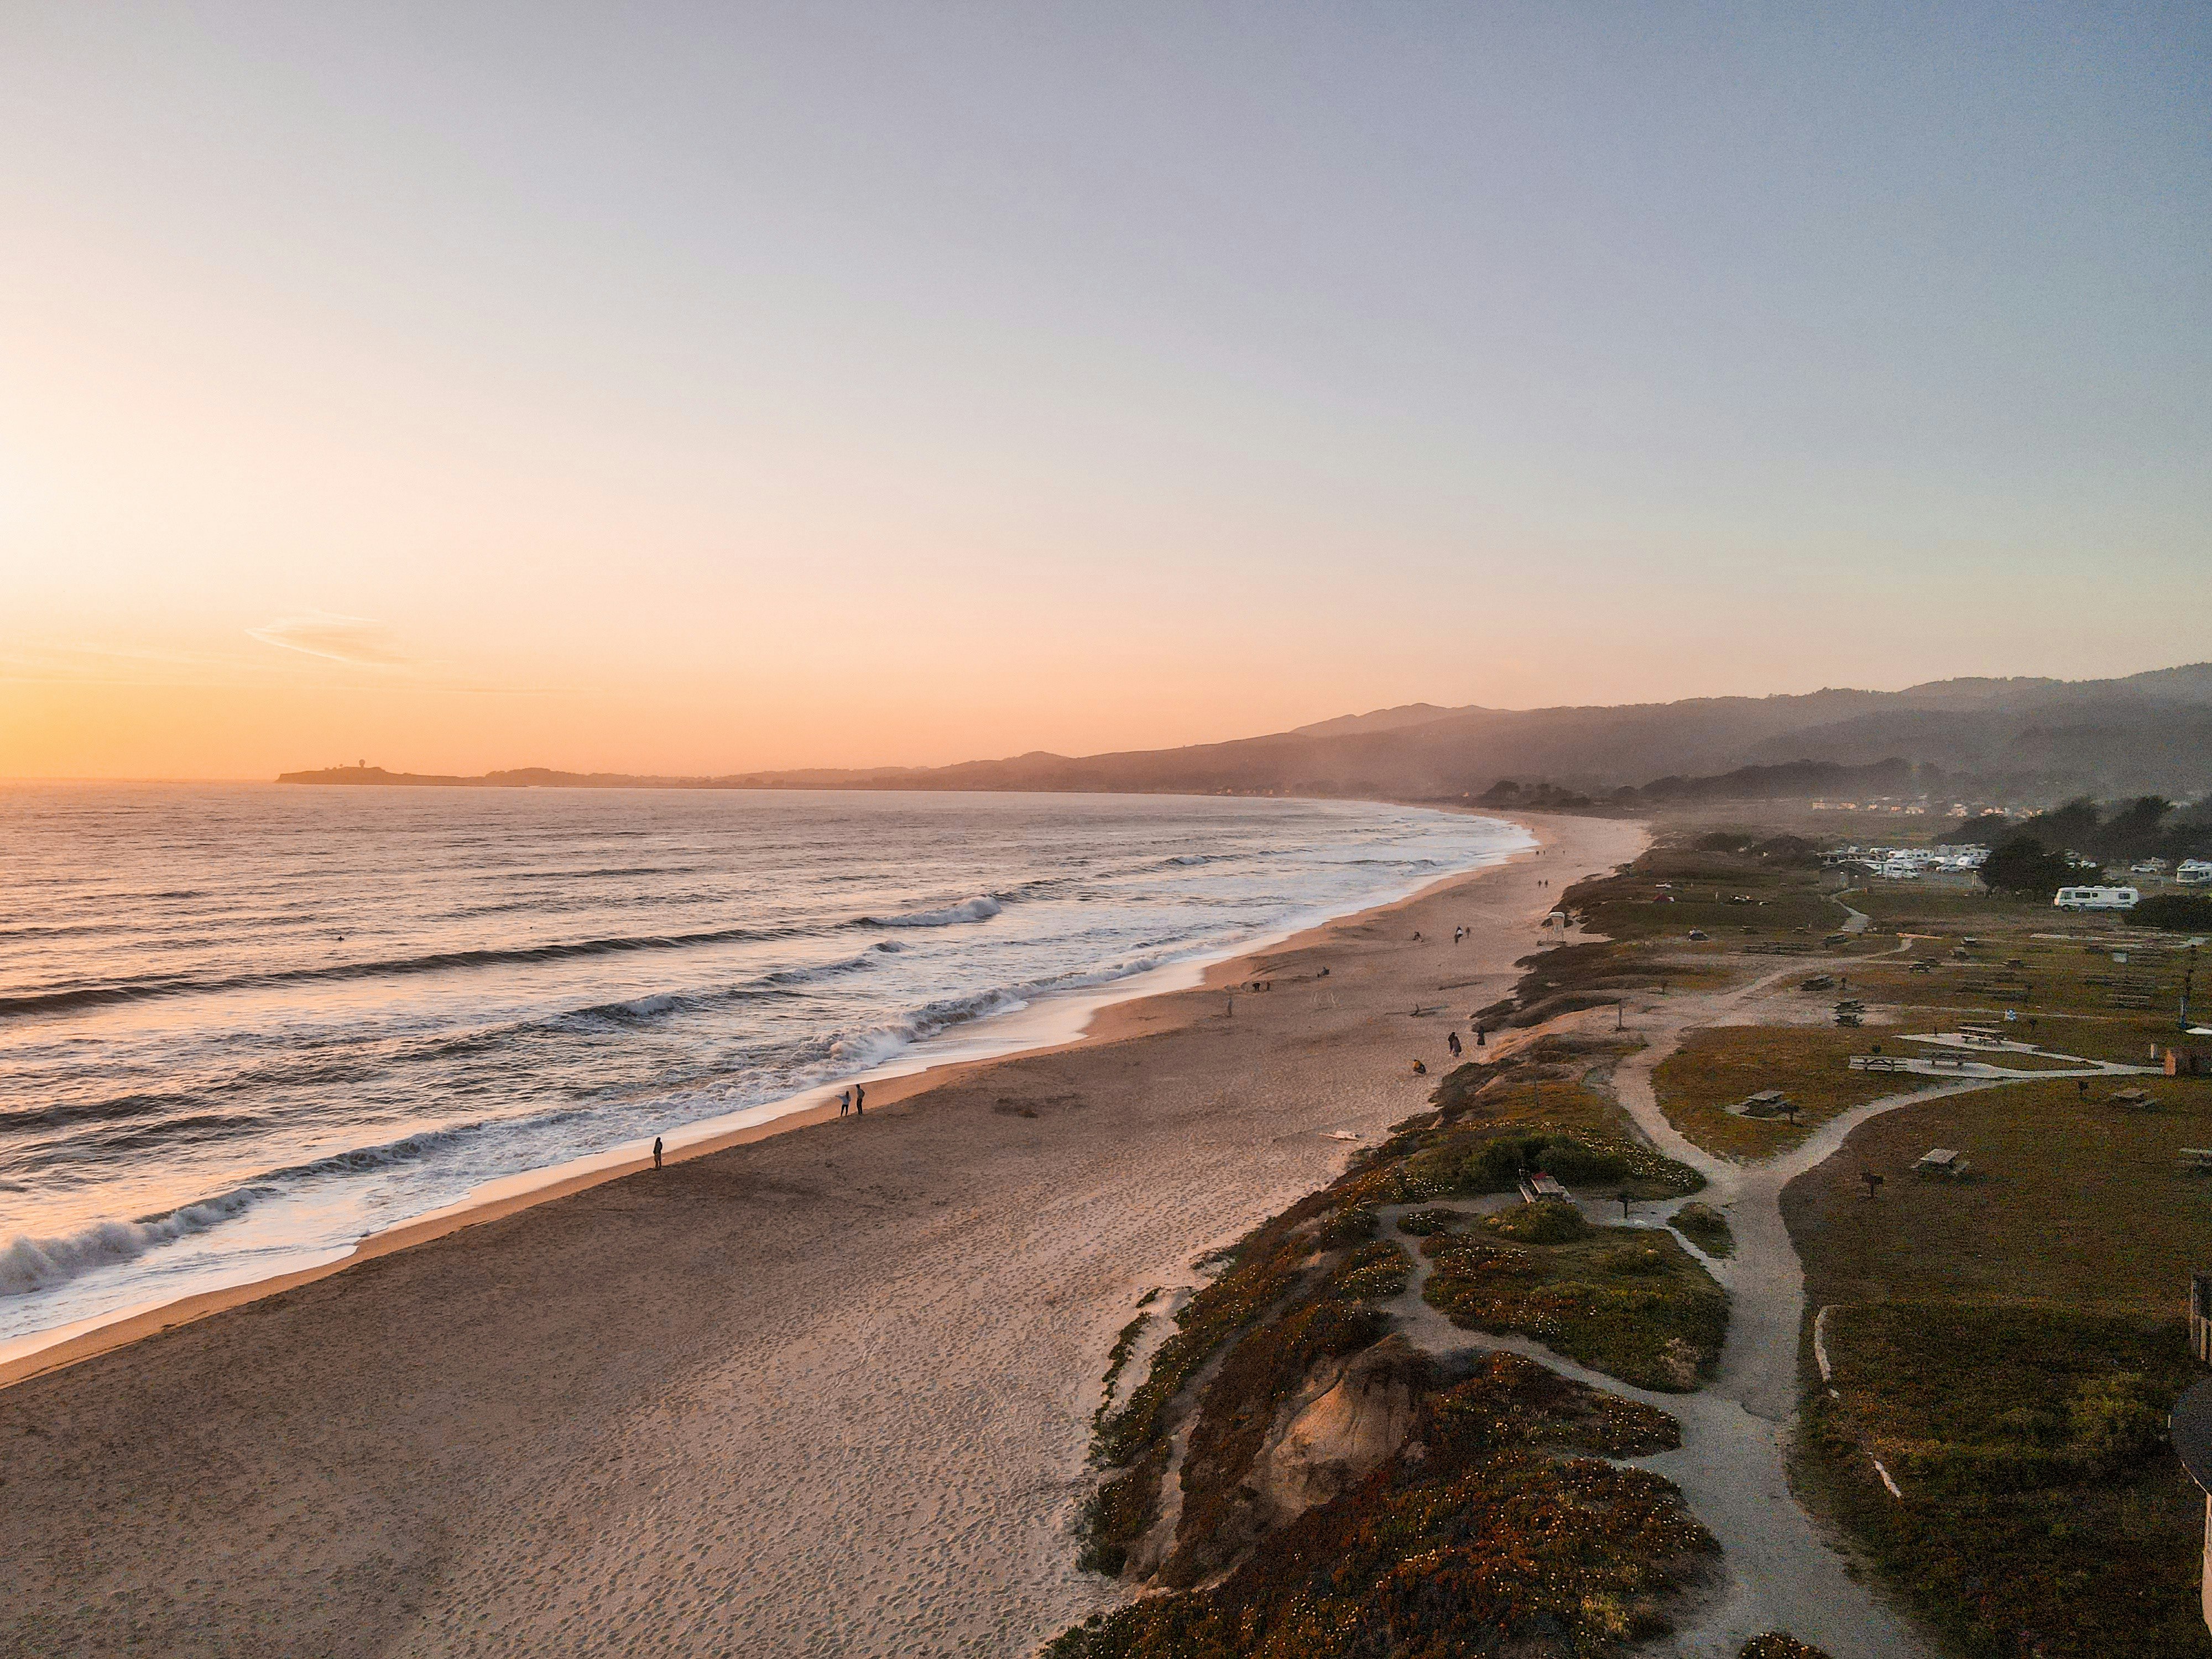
x=826 y=1393
x=1779 y=1569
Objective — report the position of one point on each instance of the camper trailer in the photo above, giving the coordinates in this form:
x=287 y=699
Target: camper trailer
x=2097 y=898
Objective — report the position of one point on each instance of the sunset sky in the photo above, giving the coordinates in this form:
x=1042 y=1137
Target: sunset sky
x=696 y=388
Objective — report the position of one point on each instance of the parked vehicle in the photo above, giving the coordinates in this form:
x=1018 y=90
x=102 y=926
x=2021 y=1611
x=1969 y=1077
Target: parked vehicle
x=2097 y=898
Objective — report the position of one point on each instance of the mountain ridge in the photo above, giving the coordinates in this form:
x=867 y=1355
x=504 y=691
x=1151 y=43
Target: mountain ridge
x=2141 y=733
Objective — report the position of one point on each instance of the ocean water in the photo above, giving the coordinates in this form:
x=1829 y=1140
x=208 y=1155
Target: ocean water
x=242 y=1027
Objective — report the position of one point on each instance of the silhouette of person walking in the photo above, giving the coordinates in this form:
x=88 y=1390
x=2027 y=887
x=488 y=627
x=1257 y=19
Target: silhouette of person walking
x=656 y=1152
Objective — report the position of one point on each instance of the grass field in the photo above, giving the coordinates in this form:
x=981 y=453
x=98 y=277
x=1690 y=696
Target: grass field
x=2042 y=1512
x=1671 y=890
x=1720 y=1065
x=2008 y=1346
x=2071 y=1203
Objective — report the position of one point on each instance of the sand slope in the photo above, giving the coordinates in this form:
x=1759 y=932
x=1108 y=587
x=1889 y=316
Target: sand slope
x=826 y=1393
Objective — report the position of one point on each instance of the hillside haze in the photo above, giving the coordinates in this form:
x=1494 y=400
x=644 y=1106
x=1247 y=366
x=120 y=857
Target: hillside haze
x=2147 y=733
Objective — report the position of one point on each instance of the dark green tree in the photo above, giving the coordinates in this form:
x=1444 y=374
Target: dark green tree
x=2022 y=866
x=2074 y=824
x=1984 y=830
x=2134 y=831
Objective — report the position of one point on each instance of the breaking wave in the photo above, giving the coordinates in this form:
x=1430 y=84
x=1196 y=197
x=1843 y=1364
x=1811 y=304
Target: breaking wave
x=34 y=1264
x=981 y=908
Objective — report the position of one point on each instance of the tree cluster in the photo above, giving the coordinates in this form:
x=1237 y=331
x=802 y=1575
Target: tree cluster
x=2149 y=826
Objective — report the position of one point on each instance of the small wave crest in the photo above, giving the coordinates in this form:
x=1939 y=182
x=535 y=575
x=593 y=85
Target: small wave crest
x=56 y=1001
x=981 y=908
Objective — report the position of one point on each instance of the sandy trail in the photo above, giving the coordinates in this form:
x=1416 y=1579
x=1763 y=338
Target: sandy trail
x=826 y=1393
x=1782 y=1571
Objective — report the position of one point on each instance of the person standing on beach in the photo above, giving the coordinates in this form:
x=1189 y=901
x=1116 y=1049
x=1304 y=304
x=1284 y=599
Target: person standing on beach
x=844 y=1103
x=656 y=1152
x=1451 y=1041
x=860 y=1100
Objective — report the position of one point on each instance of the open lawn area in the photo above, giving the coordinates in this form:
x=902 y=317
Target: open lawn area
x=2043 y=1512
x=1671 y=889
x=2074 y=1203
x=2008 y=1346
x=1720 y=1065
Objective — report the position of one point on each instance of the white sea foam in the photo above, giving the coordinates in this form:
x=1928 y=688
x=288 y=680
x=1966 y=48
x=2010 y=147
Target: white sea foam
x=35 y=1264
x=560 y=977
x=981 y=908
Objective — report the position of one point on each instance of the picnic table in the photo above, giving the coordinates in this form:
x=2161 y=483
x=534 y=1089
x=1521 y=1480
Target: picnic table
x=2196 y=1160
x=1942 y=1161
x=1767 y=1102
x=1877 y=1063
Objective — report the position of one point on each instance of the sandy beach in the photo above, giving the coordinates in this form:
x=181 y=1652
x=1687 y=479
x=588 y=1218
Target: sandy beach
x=824 y=1392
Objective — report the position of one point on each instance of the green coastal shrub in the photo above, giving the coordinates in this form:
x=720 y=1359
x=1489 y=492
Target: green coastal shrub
x=2114 y=1421
x=1549 y=1221
x=1420 y=1224
x=1629 y=1301
x=1346 y=1228
x=2183 y=912
x=1487 y=1534
x=1780 y=1644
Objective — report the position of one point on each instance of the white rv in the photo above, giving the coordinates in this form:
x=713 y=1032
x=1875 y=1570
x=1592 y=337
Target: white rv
x=2193 y=873
x=2096 y=898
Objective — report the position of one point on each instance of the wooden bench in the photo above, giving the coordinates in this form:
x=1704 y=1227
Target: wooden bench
x=2196 y=1160
x=1877 y=1063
